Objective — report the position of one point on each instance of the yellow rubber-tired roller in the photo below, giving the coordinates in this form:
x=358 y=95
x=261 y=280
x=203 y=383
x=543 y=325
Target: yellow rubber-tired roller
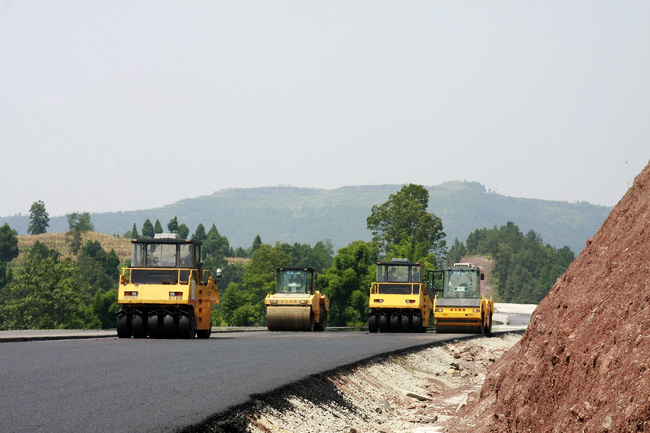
x=295 y=305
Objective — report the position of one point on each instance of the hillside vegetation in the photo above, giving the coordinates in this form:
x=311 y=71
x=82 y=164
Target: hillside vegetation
x=307 y=215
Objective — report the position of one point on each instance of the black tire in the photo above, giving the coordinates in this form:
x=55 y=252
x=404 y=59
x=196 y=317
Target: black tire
x=169 y=330
x=406 y=323
x=185 y=327
x=138 y=325
x=373 y=323
x=394 y=323
x=123 y=328
x=383 y=323
x=416 y=323
x=203 y=333
x=482 y=331
x=153 y=326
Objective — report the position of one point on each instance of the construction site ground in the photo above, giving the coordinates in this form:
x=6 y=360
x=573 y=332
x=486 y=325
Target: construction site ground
x=417 y=391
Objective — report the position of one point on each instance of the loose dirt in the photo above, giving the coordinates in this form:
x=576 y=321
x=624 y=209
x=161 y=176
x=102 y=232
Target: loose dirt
x=583 y=365
x=419 y=392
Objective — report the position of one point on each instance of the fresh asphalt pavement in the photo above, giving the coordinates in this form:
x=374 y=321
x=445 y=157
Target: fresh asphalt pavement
x=110 y=384
x=95 y=382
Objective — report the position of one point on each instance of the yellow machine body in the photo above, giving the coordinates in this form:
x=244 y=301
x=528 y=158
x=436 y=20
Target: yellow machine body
x=173 y=300
x=295 y=305
x=399 y=301
x=459 y=307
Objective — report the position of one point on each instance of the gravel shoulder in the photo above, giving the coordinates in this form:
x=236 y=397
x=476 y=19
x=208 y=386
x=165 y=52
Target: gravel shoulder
x=418 y=391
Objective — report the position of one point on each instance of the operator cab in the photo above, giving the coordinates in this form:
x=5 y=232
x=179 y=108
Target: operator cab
x=399 y=277
x=295 y=280
x=165 y=259
x=462 y=281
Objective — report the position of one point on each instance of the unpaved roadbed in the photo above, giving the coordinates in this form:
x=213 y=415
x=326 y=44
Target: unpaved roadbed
x=419 y=392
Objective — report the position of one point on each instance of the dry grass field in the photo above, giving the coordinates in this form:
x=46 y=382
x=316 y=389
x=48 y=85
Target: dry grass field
x=122 y=246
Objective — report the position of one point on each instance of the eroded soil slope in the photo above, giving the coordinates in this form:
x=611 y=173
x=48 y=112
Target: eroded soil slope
x=583 y=364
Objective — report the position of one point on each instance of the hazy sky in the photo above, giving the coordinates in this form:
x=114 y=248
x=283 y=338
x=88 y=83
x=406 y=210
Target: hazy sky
x=122 y=105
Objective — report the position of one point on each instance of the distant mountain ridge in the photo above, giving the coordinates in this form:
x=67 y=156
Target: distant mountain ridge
x=308 y=215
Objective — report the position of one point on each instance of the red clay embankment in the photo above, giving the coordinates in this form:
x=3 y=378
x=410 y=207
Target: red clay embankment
x=583 y=365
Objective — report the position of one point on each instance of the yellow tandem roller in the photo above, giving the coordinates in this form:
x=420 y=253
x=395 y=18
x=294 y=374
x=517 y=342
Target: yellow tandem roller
x=295 y=306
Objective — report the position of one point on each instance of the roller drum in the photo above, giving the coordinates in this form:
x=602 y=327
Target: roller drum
x=289 y=318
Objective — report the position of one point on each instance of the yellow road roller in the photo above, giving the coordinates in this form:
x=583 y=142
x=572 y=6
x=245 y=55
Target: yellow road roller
x=165 y=293
x=458 y=306
x=399 y=301
x=296 y=305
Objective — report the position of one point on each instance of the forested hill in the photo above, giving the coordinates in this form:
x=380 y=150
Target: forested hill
x=306 y=215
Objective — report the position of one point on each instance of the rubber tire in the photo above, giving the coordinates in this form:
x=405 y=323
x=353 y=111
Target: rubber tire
x=407 y=323
x=123 y=329
x=373 y=323
x=203 y=333
x=395 y=323
x=185 y=327
x=169 y=330
x=138 y=325
x=482 y=331
x=416 y=323
x=153 y=325
x=383 y=323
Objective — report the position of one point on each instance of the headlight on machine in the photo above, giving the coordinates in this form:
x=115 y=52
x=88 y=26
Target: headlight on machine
x=304 y=301
x=274 y=301
x=476 y=310
x=410 y=301
x=438 y=310
x=379 y=300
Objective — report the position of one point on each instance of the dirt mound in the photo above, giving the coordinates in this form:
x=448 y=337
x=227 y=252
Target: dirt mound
x=584 y=362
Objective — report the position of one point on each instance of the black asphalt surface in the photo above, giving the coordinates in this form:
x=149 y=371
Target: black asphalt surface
x=112 y=385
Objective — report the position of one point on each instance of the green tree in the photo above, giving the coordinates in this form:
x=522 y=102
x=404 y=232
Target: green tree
x=46 y=294
x=242 y=303
x=172 y=225
x=157 y=228
x=134 y=232
x=215 y=244
x=39 y=220
x=105 y=307
x=199 y=233
x=456 y=252
x=404 y=217
x=347 y=283
x=79 y=223
x=8 y=247
x=257 y=242
x=147 y=229
x=525 y=268
x=183 y=231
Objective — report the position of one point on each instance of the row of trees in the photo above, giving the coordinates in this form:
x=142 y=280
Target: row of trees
x=213 y=239
x=81 y=291
x=525 y=268
x=49 y=291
